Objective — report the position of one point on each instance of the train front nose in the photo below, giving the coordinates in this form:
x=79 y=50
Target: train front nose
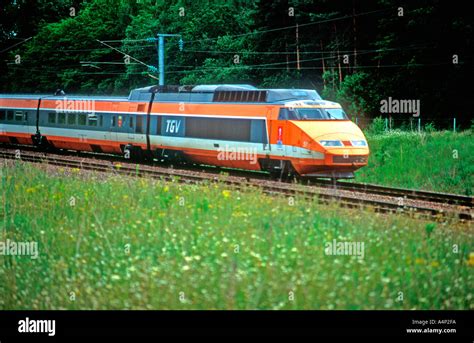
x=341 y=144
x=348 y=151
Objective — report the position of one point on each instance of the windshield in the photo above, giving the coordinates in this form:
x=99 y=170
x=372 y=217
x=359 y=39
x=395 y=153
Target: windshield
x=312 y=114
x=336 y=113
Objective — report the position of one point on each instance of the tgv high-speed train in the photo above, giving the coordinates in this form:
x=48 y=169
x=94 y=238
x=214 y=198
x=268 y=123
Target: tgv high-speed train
x=236 y=126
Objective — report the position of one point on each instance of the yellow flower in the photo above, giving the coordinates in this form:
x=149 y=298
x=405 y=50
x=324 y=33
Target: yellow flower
x=31 y=190
x=435 y=264
x=470 y=262
x=226 y=193
x=420 y=261
x=166 y=189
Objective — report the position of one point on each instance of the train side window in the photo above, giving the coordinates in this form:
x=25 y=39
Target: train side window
x=18 y=115
x=215 y=128
x=131 y=122
x=25 y=116
x=92 y=120
x=139 y=127
x=101 y=120
x=71 y=119
x=114 y=121
x=2 y=114
x=9 y=115
x=82 y=119
x=158 y=125
x=62 y=118
x=52 y=118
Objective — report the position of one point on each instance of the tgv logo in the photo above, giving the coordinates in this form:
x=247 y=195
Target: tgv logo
x=172 y=125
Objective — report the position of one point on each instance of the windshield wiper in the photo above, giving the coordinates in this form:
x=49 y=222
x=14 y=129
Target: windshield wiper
x=329 y=115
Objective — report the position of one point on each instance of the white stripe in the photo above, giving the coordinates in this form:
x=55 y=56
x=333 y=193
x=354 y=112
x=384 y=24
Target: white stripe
x=176 y=142
x=142 y=113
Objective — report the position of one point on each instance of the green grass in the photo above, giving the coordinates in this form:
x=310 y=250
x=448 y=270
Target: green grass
x=132 y=243
x=439 y=161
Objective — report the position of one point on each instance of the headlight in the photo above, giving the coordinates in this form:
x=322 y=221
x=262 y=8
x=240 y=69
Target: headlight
x=331 y=143
x=359 y=143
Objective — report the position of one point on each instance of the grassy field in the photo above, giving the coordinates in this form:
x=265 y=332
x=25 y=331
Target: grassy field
x=439 y=161
x=109 y=242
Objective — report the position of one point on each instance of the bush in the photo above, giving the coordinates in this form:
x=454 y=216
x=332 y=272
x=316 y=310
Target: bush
x=430 y=127
x=377 y=126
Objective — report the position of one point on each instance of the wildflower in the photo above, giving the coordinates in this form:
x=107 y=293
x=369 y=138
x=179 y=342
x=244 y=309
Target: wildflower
x=420 y=261
x=226 y=193
x=185 y=268
x=470 y=262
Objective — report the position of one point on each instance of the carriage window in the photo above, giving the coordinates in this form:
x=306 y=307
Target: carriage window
x=101 y=120
x=158 y=125
x=131 y=122
x=139 y=128
x=71 y=119
x=82 y=119
x=18 y=115
x=2 y=114
x=214 y=128
x=113 y=121
x=92 y=120
x=61 y=118
x=25 y=117
x=9 y=115
x=52 y=117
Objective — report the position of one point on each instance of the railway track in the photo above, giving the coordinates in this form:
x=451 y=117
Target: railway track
x=453 y=199
x=352 y=195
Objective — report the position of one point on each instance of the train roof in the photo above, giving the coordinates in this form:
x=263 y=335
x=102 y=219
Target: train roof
x=68 y=96
x=220 y=93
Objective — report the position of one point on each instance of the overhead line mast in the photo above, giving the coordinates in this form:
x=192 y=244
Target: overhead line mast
x=161 y=53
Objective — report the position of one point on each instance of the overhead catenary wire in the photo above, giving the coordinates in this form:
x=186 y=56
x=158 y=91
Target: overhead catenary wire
x=42 y=70
x=260 y=31
x=123 y=53
x=14 y=45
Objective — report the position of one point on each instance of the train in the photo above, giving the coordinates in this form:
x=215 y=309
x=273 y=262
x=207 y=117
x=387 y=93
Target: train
x=279 y=131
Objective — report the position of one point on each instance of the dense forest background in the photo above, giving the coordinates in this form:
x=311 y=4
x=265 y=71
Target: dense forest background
x=354 y=52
